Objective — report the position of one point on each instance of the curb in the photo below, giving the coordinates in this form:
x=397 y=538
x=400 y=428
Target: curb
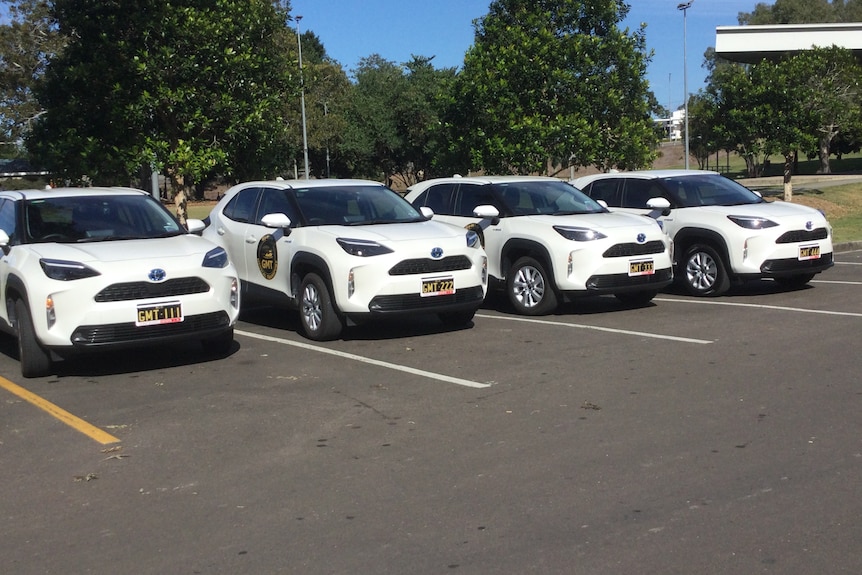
x=847 y=247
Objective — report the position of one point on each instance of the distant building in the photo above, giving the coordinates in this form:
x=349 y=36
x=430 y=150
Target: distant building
x=673 y=126
x=751 y=44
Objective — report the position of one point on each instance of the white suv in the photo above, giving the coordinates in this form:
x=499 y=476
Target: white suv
x=545 y=239
x=721 y=229
x=99 y=268
x=343 y=251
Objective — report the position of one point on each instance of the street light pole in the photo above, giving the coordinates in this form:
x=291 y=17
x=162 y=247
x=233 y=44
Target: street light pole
x=302 y=99
x=684 y=7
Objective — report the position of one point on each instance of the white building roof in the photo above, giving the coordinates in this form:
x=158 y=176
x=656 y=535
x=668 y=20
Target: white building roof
x=754 y=43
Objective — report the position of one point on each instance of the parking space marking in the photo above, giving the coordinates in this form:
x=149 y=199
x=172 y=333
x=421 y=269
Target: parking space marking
x=597 y=328
x=72 y=421
x=761 y=306
x=836 y=282
x=377 y=362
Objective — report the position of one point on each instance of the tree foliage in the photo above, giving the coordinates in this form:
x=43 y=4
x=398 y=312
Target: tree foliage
x=27 y=42
x=549 y=84
x=194 y=86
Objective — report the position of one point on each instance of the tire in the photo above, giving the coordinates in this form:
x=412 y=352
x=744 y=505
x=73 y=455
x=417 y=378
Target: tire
x=319 y=320
x=703 y=271
x=529 y=288
x=35 y=360
x=219 y=345
x=794 y=282
x=636 y=298
x=456 y=318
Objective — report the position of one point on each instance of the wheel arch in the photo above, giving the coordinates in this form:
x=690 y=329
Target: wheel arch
x=304 y=263
x=687 y=237
x=518 y=247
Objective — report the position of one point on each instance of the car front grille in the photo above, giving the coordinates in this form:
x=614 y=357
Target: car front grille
x=120 y=333
x=613 y=281
x=429 y=266
x=633 y=249
x=143 y=290
x=796 y=236
x=794 y=264
x=411 y=302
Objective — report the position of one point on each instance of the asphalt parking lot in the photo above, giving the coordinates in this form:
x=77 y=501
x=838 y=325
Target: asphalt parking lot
x=690 y=436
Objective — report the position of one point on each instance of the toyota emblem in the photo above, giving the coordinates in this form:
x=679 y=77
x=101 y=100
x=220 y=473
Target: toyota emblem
x=157 y=275
x=436 y=253
x=641 y=238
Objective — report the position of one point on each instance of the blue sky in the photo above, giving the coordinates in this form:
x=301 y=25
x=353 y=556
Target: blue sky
x=396 y=29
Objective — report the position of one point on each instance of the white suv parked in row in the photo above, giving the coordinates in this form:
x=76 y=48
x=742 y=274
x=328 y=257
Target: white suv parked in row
x=343 y=251
x=545 y=239
x=721 y=229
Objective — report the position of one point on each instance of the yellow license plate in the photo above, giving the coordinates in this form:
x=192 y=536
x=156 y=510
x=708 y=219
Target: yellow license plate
x=438 y=286
x=809 y=252
x=641 y=268
x=171 y=312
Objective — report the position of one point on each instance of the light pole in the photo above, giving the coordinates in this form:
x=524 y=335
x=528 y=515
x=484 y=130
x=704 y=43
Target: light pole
x=684 y=7
x=302 y=99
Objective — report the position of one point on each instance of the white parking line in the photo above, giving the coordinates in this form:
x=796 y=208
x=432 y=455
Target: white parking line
x=836 y=282
x=848 y=263
x=761 y=306
x=386 y=364
x=596 y=328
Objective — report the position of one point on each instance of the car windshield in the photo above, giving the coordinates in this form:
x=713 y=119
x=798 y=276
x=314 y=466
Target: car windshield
x=354 y=205
x=537 y=197
x=708 y=190
x=97 y=218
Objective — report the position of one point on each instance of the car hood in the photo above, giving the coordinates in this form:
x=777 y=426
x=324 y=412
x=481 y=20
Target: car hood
x=119 y=250
x=603 y=220
x=427 y=230
x=772 y=210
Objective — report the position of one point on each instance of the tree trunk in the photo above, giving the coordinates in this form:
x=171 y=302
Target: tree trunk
x=788 y=172
x=823 y=152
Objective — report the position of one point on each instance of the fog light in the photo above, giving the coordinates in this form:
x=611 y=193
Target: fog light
x=570 y=267
x=50 y=313
x=484 y=271
x=350 y=285
x=234 y=293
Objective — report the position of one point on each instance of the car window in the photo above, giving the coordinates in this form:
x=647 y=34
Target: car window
x=354 y=205
x=276 y=201
x=606 y=189
x=637 y=191
x=439 y=198
x=545 y=197
x=240 y=208
x=7 y=220
x=708 y=190
x=472 y=195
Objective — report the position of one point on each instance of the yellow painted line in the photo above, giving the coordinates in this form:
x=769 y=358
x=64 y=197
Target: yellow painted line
x=74 y=422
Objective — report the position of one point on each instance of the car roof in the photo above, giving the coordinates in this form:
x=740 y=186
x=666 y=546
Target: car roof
x=492 y=179
x=323 y=183
x=71 y=192
x=646 y=174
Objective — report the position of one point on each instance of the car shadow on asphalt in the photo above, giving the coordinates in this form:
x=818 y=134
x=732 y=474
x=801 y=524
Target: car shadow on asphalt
x=118 y=362
x=587 y=305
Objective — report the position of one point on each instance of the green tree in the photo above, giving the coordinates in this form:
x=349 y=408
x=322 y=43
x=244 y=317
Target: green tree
x=793 y=12
x=195 y=87
x=550 y=84
x=27 y=42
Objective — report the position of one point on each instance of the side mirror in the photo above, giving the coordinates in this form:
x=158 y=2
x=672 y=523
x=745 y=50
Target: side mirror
x=486 y=212
x=659 y=206
x=278 y=221
x=4 y=242
x=195 y=226
x=427 y=212
x=602 y=203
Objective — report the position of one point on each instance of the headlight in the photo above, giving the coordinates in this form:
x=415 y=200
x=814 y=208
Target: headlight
x=751 y=222
x=215 y=258
x=66 y=271
x=362 y=248
x=472 y=239
x=579 y=234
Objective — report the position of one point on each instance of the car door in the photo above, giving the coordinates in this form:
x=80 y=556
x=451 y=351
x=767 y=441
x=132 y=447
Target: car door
x=232 y=228
x=8 y=224
x=269 y=251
